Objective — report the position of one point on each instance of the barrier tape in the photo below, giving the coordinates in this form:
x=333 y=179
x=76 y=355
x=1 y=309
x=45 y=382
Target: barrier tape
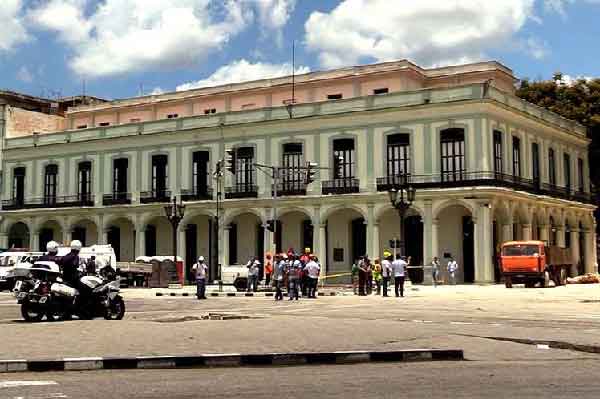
x=334 y=275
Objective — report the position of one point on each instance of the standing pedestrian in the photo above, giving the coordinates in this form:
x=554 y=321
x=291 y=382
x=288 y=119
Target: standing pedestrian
x=435 y=270
x=399 y=266
x=90 y=266
x=386 y=273
x=362 y=276
x=300 y=284
x=354 y=272
x=377 y=275
x=369 y=267
x=280 y=266
x=253 y=271
x=200 y=270
x=268 y=269
x=313 y=269
x=452 y=268
x=293 y=274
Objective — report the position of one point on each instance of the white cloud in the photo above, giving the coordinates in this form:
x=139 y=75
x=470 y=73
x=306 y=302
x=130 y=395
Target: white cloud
x=121 y=36
x=157 y=91
x=241 y=71
x=428 y=32
x=24 y=74
x=571 y=80
x=273 y=15
x=537 y=48
x=559 y=6
x=12 y=29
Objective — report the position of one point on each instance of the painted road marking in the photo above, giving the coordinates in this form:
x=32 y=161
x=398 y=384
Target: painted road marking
x=16 y=384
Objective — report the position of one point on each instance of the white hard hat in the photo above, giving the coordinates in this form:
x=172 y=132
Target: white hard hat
x=52 y=246
x=76 y=245
x=201 y=258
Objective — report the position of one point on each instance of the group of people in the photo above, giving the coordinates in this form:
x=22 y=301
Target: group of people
x=300 y=273
x=365 y=272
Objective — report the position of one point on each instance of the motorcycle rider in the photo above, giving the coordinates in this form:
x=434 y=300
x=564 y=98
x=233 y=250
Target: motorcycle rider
x=51 y=256
x=70 y=265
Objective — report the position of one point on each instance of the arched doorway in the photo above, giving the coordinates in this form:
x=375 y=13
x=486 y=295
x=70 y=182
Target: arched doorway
x=346 y=241
x=246 y=238
x=50 y=231
x=159 y=237
x=200 y=240
x=295 y=230
x=456 y=240
x=85 y=231
x=389 y=224
x=121 y=236
x=18 y=236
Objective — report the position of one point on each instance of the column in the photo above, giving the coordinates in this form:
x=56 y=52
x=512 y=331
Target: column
x=103 y=237
x=181 y=250
x=590 y=251
x=374 y=251
x=67 y=236
x=269 y=240
x=560 y=236
x=224 y=252
x=507 y=231
x=484 y=265
x=140 y=241
x=543 y=232
x=3 y=240
x=428 y=252
x=322 y=250
x=575 y=255
x=434 y=239
x=370 y=222
x=35 y=240
x=526 y=232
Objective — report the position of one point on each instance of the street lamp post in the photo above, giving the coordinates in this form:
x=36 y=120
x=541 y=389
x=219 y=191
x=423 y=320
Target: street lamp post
x=402 y=204
x=174 y=213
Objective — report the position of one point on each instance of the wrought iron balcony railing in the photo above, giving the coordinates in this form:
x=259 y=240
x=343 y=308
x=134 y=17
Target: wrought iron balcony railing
x=116 y=199
x=340 y=186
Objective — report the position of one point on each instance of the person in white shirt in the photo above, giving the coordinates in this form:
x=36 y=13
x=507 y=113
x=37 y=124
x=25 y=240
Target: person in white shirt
x=253 y=272
x=313 y=269
x=452 y=268
x=399 y=267
x=200 y=270
x=435 y=270
x=386 y=273
x=279 y=274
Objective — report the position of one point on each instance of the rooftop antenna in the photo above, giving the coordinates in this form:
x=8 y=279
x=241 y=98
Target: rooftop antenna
x=290 y=104
x=141 y=93
x=83 y=91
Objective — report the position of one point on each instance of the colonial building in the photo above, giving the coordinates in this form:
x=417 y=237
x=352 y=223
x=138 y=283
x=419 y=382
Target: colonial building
x=487 y=167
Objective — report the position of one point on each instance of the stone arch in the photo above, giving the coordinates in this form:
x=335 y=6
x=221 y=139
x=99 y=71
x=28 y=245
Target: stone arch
x=120 y=232
x=346 y=238
x=415 y=210
x=452 y=202
x=86 y=230
x=456 y=229
x=192 y=214
x=230 y=215
x=19 y=235
x=297 y=229
x=334 y=208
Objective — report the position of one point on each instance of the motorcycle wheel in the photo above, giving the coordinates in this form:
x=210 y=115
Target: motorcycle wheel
x=30 y=313
x=116 y=310
x=57 y=315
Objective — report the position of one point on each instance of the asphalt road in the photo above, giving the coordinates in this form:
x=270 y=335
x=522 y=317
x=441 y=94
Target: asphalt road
x=531 y=379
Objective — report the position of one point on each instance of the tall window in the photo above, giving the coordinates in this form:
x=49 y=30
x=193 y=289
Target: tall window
x=498 y=153
x=160 y=173
x=398 y=154
x=535 y=163
x=516 y=156
x=292 y=161
x=244 y=168
x=85 y=181
x=344 y=159
x=18 y=187
x=452 y=143
x=551 y=167
x=120 y=167
x=50 y=184
x=200 y=172
x=567 y=171
x=580 y=175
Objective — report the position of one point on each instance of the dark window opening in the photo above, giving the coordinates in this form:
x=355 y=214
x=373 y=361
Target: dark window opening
x=452 y=143
x=580 y=175
x=50 y=184
x=120 y=167
x=398 y=154
x=551 y=167
x=200 y=171
x=245 y=173
x=18 y=188
x=82 y=127
x=233 y=253
x=292 y=162
x=516 y=156
x=210 y=111
x=160 y=173
x=334 y=96
x=383 y=90
x=172 y=116
x=104 y=123
x=84 y=187
x=535 y=163
x=344 y=159
x=498 y=153
x=567 y=171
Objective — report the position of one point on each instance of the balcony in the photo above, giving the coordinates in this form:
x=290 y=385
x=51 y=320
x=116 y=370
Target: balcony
x=200 y=194
x=116 y=199
x=289 y=188
x=340 y=186
x=241 y=191
x=63 y=201
x=491 y=179
x=155 y=196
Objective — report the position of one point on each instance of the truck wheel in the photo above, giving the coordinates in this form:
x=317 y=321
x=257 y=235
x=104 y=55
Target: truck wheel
x=529 y=284
x=546 y=282
x=508 y=282
x=563 y=276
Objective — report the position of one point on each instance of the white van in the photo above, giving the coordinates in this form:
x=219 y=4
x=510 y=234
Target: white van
x=12 y=259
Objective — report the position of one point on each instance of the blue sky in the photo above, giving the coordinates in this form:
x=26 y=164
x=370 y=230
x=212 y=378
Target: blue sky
x=121 y=47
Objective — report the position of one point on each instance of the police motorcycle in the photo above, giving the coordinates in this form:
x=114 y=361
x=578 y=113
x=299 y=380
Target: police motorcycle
x=33 y=291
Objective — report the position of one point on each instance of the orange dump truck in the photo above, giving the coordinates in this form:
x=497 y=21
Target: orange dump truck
x=532 y=262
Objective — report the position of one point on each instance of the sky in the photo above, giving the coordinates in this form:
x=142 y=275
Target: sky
x=125 y=48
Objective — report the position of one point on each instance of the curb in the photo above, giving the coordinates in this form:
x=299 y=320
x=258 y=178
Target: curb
x=229 y=360
x=244 y=294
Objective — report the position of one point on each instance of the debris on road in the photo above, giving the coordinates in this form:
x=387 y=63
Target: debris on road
x=588 y=278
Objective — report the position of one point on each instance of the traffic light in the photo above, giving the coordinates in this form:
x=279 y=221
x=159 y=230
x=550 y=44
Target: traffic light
x=311 y=170
x=271 y=225
x=230 y=159
x=219 y=169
